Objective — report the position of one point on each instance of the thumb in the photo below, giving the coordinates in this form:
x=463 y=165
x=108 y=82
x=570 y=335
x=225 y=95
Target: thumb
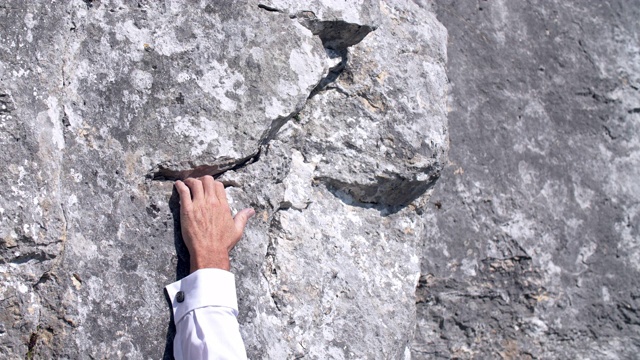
x=242 y=217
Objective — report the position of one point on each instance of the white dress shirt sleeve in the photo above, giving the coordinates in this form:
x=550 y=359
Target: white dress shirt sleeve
x=204 y=311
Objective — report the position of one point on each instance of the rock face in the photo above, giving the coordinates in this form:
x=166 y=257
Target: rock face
x=328 y=119
x=533 y=240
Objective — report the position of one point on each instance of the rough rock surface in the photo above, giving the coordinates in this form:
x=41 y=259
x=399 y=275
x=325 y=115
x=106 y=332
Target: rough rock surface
x=533 y=241
x=330 y=120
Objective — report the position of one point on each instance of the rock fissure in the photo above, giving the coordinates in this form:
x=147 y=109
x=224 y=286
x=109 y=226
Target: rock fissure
x=270 y=270
x=269 y=8
x=336 y=37
x=332 y=75
x=63 y=239
x=382 y=194
x=166 y=173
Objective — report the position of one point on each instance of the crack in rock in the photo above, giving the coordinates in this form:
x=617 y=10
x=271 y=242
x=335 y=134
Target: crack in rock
x=269 y=8
x=383 y=195
x=336 y=37
x=165 y=173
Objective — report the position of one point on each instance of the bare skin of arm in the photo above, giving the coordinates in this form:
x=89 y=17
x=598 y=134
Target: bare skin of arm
x=208 y=229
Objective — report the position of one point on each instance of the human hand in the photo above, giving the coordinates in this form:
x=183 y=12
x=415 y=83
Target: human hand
x=208 y=229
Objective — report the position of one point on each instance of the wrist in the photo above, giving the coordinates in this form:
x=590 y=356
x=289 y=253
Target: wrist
x=217 y=261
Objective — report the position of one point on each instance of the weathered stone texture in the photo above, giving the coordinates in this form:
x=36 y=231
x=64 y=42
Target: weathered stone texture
x=532 y=247
x=330 y=120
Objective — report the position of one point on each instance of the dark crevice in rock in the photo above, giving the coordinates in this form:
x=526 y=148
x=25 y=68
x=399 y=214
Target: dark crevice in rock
x=276 y=125
x=338 y=89
x=610 y=134
x=59 y=256
x=287 y=205
x=269 y=8
x=336 y=35
x=596 y=96
x=271 y=270
x=169 y=173
x=31 y=345
x=165 y=173
x=276 y=300
x=47 y=276
x=586 y=54
x=387 y=195
x=43 y=332
x=65 y=85
x=334 y=72
x=38 y=256
x=65 y=118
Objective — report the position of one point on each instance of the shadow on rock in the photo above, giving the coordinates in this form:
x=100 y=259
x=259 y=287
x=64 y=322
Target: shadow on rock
x=182 y=268
x=387 y=196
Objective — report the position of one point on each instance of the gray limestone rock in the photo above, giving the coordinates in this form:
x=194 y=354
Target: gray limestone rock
x=328 y=119
x=533 y=236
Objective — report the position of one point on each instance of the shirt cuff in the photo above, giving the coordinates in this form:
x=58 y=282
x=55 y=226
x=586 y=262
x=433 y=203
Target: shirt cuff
x=204 y=287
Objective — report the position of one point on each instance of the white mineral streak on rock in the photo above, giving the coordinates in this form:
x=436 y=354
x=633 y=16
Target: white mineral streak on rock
x=56 y=125
x=583 y=196
x=275 y=109
x=199 y=131
x=469 y=267
x=30 y=23
x=301 y=61
x=257 y=53
x=219 y=81
x=141 y=80
x=48 y=130
x=356 y=11
x=166 y=43
x=606 y=296
x=136 y=36
x=183 y=76
x=286 y=89
x=22 y=288
x=298 y=183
